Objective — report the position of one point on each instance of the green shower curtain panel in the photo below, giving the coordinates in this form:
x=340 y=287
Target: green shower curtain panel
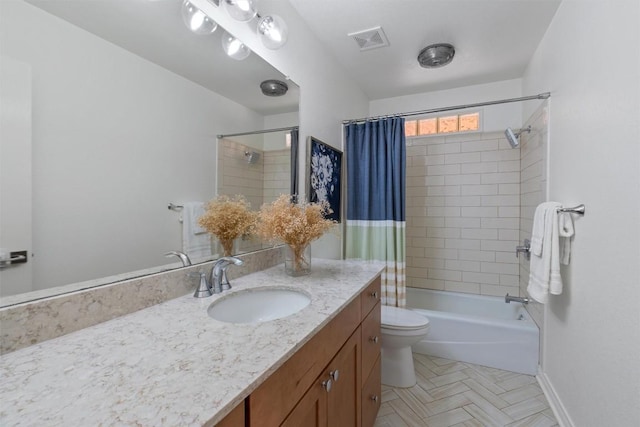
x=375 y=226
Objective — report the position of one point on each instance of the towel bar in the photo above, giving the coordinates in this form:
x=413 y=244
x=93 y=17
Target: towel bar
x=173 y=207
x=576 y=210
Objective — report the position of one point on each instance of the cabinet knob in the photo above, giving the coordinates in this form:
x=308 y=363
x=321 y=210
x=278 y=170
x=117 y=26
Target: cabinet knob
x=374 y=398
x=335 y=375
x=327 y=385
x=374 y=339
x=374 y=294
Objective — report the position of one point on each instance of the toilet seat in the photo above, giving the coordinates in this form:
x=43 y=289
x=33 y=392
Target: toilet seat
x=401 y=319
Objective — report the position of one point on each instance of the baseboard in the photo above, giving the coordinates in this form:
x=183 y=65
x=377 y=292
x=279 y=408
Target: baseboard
x=562 y=417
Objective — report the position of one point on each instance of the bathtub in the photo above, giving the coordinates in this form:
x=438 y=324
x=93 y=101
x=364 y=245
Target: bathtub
x=477 y=329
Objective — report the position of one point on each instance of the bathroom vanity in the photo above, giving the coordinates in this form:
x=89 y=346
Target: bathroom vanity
x=172 y=364
x=334 y=379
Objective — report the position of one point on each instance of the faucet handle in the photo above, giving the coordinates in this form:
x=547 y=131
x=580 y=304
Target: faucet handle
x=204 y=288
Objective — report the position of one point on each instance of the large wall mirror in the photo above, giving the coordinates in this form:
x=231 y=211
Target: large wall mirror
x=111 y=110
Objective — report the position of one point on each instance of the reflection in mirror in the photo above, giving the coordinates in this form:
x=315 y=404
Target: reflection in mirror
x=115 y=107
x=258 y=166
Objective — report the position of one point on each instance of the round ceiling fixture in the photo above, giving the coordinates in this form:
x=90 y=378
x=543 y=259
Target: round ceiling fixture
x=274 y=87
x=436 y=55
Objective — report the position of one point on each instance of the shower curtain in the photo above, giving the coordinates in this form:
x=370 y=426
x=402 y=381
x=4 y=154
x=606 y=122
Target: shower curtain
x=375 y=230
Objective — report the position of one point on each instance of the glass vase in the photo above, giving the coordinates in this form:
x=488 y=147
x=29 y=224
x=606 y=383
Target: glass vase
x=297 y=260
x=227 y=246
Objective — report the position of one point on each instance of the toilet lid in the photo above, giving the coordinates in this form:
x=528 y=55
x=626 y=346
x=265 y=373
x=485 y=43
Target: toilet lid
x=401 y=318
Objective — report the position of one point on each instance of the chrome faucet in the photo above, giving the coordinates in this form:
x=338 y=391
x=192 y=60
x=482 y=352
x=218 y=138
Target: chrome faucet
x=186 y=262
x=219 y=281
x=523 y=300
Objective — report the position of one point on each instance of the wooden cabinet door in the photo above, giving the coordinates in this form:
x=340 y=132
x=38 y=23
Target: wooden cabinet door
x=311 y=410
x=235 y=418
x=344 y=397
x=371 y=396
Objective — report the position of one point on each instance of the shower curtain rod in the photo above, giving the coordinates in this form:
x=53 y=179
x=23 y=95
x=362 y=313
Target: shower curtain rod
x=544 y=95
x=256 y=132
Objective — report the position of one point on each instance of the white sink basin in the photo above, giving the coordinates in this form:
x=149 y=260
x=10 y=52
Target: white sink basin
x=258 y=305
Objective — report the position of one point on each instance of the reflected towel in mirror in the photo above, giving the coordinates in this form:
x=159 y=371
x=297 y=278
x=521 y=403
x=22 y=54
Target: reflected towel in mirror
x=196 y=242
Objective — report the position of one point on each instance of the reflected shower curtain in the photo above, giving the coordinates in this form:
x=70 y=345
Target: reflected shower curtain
x=375 y=229
x=294 y=163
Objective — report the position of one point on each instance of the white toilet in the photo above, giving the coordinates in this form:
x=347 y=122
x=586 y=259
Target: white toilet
x=401 y=328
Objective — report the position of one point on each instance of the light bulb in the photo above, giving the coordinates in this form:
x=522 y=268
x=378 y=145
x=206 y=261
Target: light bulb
x=234 y=47
x=273 y=31
x=196 y=20
x=241 y=10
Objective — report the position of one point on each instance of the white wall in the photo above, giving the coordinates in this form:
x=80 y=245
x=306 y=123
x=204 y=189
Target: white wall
x=589 y=60
x=115 y=138
x=494 y=118
x=327 y=95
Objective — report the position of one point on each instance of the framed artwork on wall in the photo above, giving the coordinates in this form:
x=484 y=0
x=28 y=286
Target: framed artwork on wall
x=325 y=176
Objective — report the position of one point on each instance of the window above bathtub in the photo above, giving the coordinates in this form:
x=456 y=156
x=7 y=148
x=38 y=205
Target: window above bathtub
x=443 y=124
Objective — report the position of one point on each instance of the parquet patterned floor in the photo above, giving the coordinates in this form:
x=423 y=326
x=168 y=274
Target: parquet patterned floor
x=451 y=393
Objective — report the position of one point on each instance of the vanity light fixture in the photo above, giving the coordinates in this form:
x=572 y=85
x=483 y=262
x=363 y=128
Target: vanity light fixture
x=241 y=10
x=273 y=31
x=234 y=48
x=196 y=20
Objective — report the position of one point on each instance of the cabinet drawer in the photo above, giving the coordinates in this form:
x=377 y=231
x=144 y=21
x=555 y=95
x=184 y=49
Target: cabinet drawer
x=370 y=296
x=371 y=340
x=372 y=396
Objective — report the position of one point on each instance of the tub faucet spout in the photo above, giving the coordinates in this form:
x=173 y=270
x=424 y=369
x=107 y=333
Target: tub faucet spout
x=523 y=300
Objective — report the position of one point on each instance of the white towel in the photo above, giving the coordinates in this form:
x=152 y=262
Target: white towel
x=196 y=242
x=544 y=269
x=565 y=231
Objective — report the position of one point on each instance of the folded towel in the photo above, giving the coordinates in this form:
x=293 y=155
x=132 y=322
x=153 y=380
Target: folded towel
x=544 y=269
x=196 y=242
x=565 y=231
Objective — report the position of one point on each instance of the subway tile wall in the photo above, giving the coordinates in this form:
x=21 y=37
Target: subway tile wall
x=463 y=213
x=237 y=176
x=277 y=174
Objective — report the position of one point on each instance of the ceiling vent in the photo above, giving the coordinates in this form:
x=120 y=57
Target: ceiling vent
x=370 y=39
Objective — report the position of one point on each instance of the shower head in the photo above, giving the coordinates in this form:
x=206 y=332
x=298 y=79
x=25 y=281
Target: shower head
x=252 y=157
x=512 y=136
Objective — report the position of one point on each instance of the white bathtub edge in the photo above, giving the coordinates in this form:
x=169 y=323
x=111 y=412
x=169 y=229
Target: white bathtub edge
x=561 y=414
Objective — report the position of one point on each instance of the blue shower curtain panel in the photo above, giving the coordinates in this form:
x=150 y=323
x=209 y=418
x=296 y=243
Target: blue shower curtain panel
x=376 y=175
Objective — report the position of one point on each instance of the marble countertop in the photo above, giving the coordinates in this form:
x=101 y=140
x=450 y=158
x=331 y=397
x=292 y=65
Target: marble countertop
x=170 y=364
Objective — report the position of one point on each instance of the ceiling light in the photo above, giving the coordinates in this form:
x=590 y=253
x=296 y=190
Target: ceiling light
x=274 y=87
x=241 y=10
x=273 y=31
x=196 y=20
x=234 y=47
x=436 y=55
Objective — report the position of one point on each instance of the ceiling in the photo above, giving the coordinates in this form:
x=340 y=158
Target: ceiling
x=494 y=39
x=155 y=31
